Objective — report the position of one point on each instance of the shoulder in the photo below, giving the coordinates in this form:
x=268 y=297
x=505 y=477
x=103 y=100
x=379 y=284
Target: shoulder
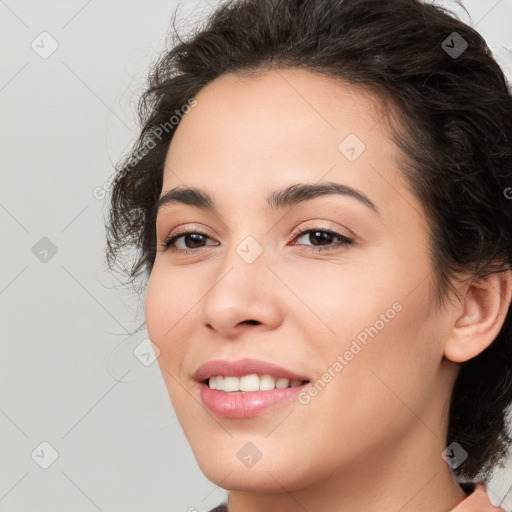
x=477 y=500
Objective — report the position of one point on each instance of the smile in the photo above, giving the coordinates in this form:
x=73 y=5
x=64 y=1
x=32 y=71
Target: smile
x=246 y=387
x=252 y=382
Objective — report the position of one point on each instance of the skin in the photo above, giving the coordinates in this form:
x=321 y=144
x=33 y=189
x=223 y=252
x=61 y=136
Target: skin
x=372 y=438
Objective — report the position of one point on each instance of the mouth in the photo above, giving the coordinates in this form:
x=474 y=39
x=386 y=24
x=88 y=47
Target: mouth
x=247 y=387
x=251 y=383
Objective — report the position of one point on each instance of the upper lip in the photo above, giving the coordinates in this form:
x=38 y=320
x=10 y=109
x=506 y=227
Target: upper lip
x=243 y=367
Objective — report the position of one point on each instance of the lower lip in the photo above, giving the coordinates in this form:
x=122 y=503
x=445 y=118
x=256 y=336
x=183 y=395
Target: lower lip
x=246 y=404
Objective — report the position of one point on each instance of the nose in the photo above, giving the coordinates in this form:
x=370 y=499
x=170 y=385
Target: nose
x=243 y=296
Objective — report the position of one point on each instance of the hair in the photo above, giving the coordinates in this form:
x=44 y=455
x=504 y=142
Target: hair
x=454 y=133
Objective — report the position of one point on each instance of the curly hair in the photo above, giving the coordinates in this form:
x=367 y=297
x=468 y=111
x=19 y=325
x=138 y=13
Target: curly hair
x=454 y=132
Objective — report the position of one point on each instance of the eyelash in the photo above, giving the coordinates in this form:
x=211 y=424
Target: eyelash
x=345 y=241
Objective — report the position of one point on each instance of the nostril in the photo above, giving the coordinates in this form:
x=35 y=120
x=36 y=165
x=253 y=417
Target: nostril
x=250 y=322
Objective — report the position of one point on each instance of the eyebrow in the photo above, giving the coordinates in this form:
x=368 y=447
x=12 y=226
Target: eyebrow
x=289 y=196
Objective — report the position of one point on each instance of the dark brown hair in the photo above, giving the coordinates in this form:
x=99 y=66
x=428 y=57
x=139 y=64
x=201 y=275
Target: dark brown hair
x=454 y=108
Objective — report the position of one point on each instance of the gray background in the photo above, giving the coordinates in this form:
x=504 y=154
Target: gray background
x=68 y=375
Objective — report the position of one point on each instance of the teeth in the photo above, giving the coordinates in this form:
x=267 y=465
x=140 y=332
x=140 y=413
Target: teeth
x=252 y=382
x=231 y=383
x=249 y=383
x=267 y=382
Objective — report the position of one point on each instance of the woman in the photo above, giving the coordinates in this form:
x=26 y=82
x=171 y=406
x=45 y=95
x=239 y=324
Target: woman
x=320 y=200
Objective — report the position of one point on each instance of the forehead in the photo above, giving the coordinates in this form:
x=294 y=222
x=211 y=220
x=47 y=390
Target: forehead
x=249 y=135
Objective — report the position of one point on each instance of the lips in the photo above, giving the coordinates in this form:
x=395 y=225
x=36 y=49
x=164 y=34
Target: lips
x=244 y=367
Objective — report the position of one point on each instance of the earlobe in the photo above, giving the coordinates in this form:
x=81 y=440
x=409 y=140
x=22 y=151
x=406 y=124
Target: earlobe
x=483 y=310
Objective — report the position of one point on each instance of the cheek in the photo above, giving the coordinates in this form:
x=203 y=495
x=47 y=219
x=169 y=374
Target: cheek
x=169 y=298
x=382 y=325
x=156 y=307
x=389 y=361
x=349 y=301
x=166 y=321
x=165 y=312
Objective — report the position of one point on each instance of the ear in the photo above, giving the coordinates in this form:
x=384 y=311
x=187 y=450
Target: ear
x=480 y=317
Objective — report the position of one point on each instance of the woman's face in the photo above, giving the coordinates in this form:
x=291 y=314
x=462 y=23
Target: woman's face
x=356 y=319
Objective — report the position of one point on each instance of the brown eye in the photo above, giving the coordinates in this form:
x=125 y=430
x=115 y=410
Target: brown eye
x=321 y=239
x=192 y=240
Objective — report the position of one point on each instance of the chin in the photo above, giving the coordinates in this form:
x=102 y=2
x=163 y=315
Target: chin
x=248 y=480
x=271 y=475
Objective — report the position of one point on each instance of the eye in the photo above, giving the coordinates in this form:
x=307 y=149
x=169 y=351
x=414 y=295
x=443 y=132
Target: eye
x=194 y=236
x=324 y=237
x=322 y=240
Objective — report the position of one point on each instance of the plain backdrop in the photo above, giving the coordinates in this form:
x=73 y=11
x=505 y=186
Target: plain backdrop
x=73 y=396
